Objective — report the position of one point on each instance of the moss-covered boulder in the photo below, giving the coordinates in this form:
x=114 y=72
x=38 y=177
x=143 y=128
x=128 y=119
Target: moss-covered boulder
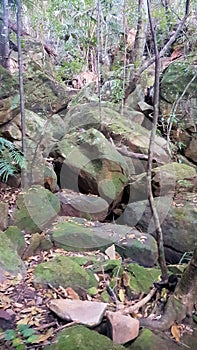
x=140 y=247
x=141 y=278
x=62 y=271
x=92 y=165
x=147 y=340
x=80 y=337
x=10 y=261
x=36 y=208
x=76 y=236
x=120 y=127
x=167 y=180
x=79 y=234
x=80 y=205
x=9 y=96
x=178 y=222
x=17 y=238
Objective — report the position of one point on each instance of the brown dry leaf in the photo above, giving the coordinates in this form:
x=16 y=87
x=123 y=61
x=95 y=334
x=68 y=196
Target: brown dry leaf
x=175 y=331
x=121 y=295
x=72 y=294
x=125 y=279
x=44 y=337
x=24 y=320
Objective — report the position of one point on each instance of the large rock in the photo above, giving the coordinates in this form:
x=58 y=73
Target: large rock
x=81 y=205
x=36 y=209
x=10 y=261
x=179 y=80
x=141 y=278
x=79 y=337
x=17 y=238
x=175 y=79
x=167 y=180
x=151 y=341
x=122 y=129
x=9 y=96
x=78 y=234
x=178 y=223
x=62 y=271
x=92 y=165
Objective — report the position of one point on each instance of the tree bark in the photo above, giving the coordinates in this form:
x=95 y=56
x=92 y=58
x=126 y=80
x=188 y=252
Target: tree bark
x=159 y=234
x=4 y=36
x=24 y=179
x=140 y=38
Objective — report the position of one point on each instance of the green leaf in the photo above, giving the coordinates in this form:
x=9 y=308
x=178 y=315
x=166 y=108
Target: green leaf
x=17 y=341
x=195 y=318
x=22 y=327
x=21 y=347
x=26 y=333
x=32 y=339
x=10 y=334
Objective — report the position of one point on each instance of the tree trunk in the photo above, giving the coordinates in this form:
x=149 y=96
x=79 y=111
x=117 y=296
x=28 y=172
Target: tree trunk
x=24 y=180
x=159 y=233
x=4 y=36
x=140 y=39
x=181 y=303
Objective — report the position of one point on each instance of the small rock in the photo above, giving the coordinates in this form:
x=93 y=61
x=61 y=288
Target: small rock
x=6 y=319
x=89 y=313
x=123 y=328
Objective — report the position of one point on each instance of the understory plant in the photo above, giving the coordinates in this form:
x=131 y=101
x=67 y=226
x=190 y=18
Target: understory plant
x=11 y=159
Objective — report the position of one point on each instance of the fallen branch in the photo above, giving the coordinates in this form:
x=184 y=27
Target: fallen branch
x=139 y=304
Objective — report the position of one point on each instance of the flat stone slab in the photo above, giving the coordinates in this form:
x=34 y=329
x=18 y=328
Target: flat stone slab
x=89 y=313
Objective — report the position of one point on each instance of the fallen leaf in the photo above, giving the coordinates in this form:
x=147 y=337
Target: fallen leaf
x=72 y=294
x=175 y=331
x=121 y=295
x=44 y=337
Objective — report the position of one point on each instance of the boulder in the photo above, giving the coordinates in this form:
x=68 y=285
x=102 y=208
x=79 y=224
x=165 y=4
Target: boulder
x=80 y=337
x=9 y=96
x=80 y=205
x=141 y=278
x=78 y=235
x=150 y=341
x=36 y=208
x=62 y=271
x=17 y=238
x=92 y=165
x=178 y=222
x=10 y=261
x=118 y=126
x=167 y=180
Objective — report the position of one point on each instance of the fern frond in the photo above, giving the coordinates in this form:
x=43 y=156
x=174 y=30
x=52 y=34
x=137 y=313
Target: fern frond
x=6 y=169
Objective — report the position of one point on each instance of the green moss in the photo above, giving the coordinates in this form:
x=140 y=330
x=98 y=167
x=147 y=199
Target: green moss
x=81 y=338
x=9 y=259
x=76 y=237
x=36 y=208
x=17 y=238
x=142 y=278
x=63 y=271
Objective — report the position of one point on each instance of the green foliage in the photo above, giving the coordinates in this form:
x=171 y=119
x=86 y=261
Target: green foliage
x=11 y=159
x=21 y=336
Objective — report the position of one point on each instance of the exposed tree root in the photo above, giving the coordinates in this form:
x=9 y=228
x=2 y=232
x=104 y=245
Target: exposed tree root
x=181 y=303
